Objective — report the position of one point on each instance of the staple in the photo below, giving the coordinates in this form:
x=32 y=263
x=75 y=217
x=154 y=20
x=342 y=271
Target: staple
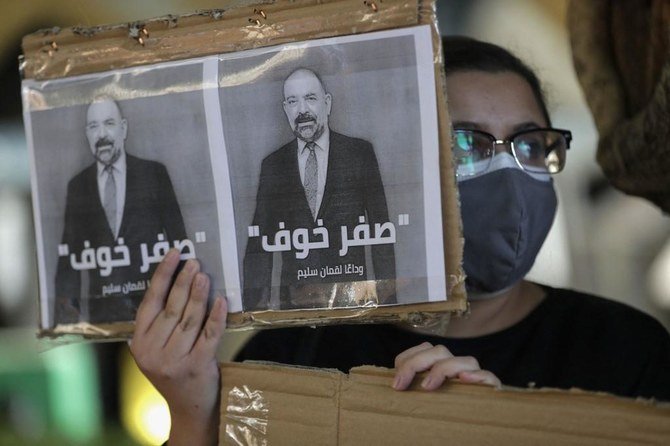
x=51 y=48
x=135 y=29
x=372 y=5
x=138 y=31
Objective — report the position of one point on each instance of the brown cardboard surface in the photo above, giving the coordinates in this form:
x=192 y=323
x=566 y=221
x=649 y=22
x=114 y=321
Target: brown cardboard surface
x=237 y=26
x=240 y=25
x=322 y=407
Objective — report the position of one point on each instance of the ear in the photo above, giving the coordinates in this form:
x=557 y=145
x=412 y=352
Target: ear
x=329 y=102
x=124 y=126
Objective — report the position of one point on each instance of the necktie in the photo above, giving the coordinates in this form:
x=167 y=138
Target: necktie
x=109 y=203
x=311 y=178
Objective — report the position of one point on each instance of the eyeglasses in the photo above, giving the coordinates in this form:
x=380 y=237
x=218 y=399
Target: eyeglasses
x=536 y=150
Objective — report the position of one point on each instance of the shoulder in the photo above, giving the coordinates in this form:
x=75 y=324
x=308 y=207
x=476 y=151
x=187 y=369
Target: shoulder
x=283 y=152
x=143 y=171
x=134 y=162
x=606 y=329
x=83 y=176
x=282 y=155
x=615 y=347
x=348 y=142
x=357 y=152
x=599 y=312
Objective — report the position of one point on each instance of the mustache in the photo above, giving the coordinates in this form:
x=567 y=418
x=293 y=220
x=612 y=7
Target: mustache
x=304 y=117
x=103 y=142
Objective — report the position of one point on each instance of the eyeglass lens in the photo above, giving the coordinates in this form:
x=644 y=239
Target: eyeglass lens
x=473 y=152
x=539 y=151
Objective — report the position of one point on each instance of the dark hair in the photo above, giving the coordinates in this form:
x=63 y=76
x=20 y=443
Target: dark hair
x=466 y=54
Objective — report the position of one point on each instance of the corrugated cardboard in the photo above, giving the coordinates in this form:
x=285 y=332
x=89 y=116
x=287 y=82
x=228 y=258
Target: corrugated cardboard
x=278 y=405
x=56 y=53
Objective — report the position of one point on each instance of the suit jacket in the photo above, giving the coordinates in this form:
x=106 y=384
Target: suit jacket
x=150 y=209
x=353 y=188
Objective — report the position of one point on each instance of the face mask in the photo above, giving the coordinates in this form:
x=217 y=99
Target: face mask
x=506 y=215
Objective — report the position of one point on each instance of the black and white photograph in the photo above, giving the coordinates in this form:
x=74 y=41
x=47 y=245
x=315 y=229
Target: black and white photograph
x=332 y=150
x=122 y=173
x=301 y=176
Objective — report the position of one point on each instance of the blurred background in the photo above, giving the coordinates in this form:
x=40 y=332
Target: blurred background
x=603 y=241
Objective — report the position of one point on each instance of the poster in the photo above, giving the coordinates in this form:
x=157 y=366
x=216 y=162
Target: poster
x=292 y=173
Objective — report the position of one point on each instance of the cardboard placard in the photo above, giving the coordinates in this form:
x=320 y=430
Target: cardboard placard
x=198 y=100
x=275 y=404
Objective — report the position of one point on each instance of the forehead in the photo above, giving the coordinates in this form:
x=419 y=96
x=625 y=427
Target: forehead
x=302 y=82
x=103 y=110
x=486 y=98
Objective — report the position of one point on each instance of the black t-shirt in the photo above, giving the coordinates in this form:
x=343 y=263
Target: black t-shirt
x=570 y=340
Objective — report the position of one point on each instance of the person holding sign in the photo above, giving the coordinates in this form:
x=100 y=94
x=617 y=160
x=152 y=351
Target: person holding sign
x=517 y=332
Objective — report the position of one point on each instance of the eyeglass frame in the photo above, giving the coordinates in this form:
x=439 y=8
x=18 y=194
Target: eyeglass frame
x=567 y=135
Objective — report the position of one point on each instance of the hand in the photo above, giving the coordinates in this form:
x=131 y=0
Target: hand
x=175 y=346
x=441 y=365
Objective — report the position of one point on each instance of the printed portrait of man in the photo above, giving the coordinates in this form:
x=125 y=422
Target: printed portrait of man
x=118 y=200
x=319 y=179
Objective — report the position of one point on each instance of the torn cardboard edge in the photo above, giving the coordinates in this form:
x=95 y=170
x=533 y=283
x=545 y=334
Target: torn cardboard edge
x=265 y=403
x=55 y=53
x=430 y=313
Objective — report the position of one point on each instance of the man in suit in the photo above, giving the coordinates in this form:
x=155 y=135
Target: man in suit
x=118 y=201
x=321 y=178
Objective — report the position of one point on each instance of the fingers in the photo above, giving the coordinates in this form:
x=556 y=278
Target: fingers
x=186 y=331
x=417 y=361
x=448 y=368
x=166 y=321
x=402 y=357
x=480 y=377
x=175 y=344
x=210 y=336
x=441 y=364
x=154 y=299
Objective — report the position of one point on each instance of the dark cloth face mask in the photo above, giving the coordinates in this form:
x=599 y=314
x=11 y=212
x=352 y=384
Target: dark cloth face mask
x=506 y=215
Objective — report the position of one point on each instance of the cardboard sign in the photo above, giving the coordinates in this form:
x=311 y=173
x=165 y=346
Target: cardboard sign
x=275 y=404
x=299 y=150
